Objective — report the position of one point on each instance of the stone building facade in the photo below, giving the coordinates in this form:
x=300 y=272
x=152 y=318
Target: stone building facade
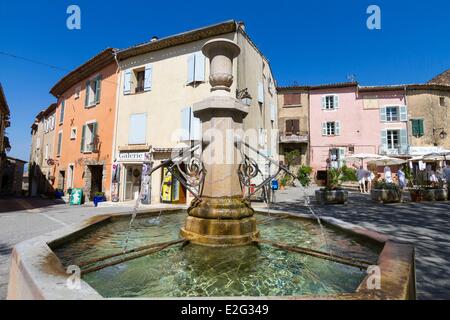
x=4 y=123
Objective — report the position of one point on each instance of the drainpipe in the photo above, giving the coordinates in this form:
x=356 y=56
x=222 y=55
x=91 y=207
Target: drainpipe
x=113 y=153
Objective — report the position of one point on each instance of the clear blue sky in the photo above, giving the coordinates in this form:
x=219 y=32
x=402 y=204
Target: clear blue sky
x=310 y=42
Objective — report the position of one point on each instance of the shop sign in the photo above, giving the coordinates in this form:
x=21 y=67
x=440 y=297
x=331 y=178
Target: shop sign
x=134 y=156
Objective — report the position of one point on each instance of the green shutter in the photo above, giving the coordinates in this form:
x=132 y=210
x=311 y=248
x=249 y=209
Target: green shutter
x=82 y=139
x=94 y=136
x=421 y=128
x=86 y=100
x=415 y=127
x=98 y=86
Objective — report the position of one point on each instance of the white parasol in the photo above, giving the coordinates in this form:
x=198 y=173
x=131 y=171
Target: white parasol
x=362 y=156
x=387 y=161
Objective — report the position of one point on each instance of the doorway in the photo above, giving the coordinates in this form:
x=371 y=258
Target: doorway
x=132 y=182
x=61 y=180
x=96 y=180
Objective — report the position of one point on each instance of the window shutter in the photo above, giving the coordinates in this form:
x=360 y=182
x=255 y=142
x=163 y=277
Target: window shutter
x=260 y=92
x=53 y=122
x=384 y=142
x=88 y=89
x=94 y=136
x=295 y=126
x=148 y=77
x=59 y=143
x=191 y=68
x=63 y=106
x=273 y=112
x=262 y=137
x=421 y=127
x=414 y=127
x=83 y=139
x=195 y=127
x=403 y=113
x=383 y=114
x=98 y=87
x=138 y=129
x=127 y=82
x=337 y=128
x=324 y=128
x=324 y=102
x=185 y=124
x=336 y=101
x=403 y=141
x=199 y=72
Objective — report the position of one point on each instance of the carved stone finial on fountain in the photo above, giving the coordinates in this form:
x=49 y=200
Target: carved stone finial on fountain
x=221 y=217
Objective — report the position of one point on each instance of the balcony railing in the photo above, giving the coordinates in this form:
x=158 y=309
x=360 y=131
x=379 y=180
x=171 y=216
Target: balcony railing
x=399 y=150
x=298 y=137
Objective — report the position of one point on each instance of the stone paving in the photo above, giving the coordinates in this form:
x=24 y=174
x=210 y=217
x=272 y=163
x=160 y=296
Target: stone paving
x=425 y=225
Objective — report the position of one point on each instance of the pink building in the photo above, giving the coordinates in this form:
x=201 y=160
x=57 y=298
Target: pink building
x=347 y=119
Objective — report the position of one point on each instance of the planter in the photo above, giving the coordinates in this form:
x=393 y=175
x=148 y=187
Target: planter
x=332 y=196
x=437 y=194
x=386 y=195
x=98 y=199
x=416 y=195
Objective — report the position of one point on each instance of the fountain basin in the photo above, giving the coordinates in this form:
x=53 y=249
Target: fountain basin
x=37 y=270
x=385 y=196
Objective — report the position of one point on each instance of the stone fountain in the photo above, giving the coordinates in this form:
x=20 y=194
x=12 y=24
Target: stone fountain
x=221 y=217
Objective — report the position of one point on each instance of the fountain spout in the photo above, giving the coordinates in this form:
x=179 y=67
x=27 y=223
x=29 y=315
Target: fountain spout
x=221 y=216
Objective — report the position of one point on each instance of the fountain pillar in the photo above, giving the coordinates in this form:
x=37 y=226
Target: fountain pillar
x=221 y=217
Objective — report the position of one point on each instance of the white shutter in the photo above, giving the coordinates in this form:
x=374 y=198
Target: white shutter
x=127 y=82
x=262 y=137
x=383 y=114
x=185 y=124
x=336 y=101
x=324 y=128
x=324 y=102
x=384 y=140
x=403 y=113
x=337 y=128
x=137 y=130
x=191 y=68
x=403 y=141
x=148 y=77
x=199 y=72
x=195 y=127
x=273 y=113
x=260 y=92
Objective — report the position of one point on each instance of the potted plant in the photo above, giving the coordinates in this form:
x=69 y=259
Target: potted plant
x=416 y=194
x=332 y=193
x=99 y=197
x=386 y=192
x=434 y=193
x=304 y=175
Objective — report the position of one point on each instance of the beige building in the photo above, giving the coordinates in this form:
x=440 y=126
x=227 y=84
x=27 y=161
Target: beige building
x=4 y=123
x=293 y=122
x=158 y=84
x=41 y=174
x=429 y=118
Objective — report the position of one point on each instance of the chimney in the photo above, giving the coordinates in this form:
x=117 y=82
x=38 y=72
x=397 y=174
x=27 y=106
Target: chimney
x=154 y=38
x=241 y=24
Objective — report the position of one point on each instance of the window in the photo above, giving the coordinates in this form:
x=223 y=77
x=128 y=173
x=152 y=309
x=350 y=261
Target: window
x=137 y=130
x=292 y=127
x=58 y=149
x=292 y=99
x=331 y=128
x=46 y=152
x=273 y=112
x=38 y=143
x=190 y=125
x=196 y=68
x=330 y=102
x=89 y=138
x=417 y=128
x=73 y=133
x=271 y=86
x=61 y=116
x=337 y=156
x=260 y=92
x=140 y=79
x=393 y=141
x=391 y=114
x=93 y=87
x=442 y=101
x=77 y=92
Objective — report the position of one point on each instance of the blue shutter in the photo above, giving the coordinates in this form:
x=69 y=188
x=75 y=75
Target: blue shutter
x=383 y=114
x=94 y=136
x=137 y=130
x=260 y=92
x=185 y=124
x=384 y=142
x=148 y=77
x=199 y=73
x=127 y=82
x=195 y=127
x=403 y=113
x=191 y=68
x=403 y=141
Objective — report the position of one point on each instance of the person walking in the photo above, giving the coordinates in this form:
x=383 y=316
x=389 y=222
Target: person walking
x=369 y=178
x=361 y=174
x=387 y=174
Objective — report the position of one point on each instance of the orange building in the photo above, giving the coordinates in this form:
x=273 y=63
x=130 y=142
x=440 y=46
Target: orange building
x=85 y=117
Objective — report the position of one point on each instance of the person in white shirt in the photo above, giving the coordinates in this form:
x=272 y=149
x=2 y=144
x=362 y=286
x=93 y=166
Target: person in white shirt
x=369 y=178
